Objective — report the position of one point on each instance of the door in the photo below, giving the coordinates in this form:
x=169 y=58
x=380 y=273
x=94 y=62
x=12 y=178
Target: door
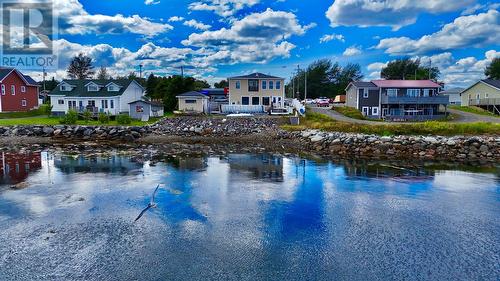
x=277 y=102
x=366 y=110
x=384 y=112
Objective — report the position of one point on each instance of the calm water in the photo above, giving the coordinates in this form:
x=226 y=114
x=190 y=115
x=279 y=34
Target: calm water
x=244 y=217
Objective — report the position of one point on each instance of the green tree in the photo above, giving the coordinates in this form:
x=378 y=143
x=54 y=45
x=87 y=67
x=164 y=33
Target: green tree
x=492 y=71
x=87 y=115
x=200 y=84
x=103 y=74
x=151 y=84
x=408 y=69
x=80 y=67
x=50 y=85
x=324 y=78
x=221 y=84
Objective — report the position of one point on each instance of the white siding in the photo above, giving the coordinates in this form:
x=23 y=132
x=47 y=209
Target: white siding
x=132 y=93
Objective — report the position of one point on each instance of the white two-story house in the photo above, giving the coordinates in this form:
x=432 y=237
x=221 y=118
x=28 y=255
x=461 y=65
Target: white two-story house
x=257 y=89
x=109 y=96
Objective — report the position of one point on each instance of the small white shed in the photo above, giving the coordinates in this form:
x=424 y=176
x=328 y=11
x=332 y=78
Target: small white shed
x=194 y=102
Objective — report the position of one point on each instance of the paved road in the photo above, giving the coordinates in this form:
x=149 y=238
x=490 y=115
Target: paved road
x=462 y=117
x=467 y=117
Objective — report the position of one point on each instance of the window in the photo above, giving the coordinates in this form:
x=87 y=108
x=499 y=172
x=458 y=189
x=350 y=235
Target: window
x=365 y=93
x=374 y=110
x=13 y=90
x=113 y=88
x=23 y=89
x=266 y=101
x=245 y=100
x=65 y=88
x=238 y=85
x=427 y=92
x=392 y=92
x=3 y=90
x=253 y=85
x=139 y=108
x=72 y=104
x=60 y=101
x=264 y=85
x=23 y=102
x=91 y=103
x=80 y=104
x=104 y=103
x=413 y=92
x=93 y=88
x=111 y=104
x=271 y=85
x=190 y=101
x=255 y=100
x=278 y=85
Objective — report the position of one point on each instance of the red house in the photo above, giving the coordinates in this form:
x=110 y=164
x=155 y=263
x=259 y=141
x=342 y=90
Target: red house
x=18 y=92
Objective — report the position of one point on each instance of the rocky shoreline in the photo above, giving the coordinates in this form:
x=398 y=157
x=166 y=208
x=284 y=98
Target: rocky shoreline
x=261 y=133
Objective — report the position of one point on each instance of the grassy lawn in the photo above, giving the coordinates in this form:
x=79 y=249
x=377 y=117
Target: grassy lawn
x=350 y=112
x=473 y=109
x=323 y=122
x=44 y=120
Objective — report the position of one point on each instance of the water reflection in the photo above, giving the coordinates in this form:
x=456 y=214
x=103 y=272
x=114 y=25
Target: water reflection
x=15 y=167
x=252 y=217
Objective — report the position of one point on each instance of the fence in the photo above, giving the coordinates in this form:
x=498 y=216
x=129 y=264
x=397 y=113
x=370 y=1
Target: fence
x=232 y=108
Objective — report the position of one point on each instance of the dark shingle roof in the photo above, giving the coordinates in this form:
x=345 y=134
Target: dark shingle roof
x=362 y=84
x=492 y=82
x=256 y=75
x=192 y=94
x=155 y=103
x=81 y=91
x=30 y=80
x=4 y=71
x=452 y=91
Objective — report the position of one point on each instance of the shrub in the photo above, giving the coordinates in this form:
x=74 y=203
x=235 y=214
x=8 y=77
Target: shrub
x=87 y=115
x=46 y=109
x=103 y=118
x=70 y=118
x=123 y=119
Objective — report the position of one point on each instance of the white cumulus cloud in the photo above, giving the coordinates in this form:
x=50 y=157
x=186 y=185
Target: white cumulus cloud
x=393 y=13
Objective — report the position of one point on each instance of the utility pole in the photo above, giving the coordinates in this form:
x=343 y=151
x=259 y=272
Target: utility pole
x=293 y=86
x=140 y=70
x=305 y=84
x=298 y=81
x=430 y=67
x=182 y=71
x=43 y=77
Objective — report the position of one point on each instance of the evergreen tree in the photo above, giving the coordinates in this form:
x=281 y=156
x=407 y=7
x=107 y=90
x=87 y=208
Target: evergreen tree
x=102 y=74
x=492 y=71
x=80 y=67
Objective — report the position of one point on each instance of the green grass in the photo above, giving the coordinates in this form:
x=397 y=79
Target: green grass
x=350 y=112
x=473 y=109
x=323 y=122
x=32 y=113
x=44 y=120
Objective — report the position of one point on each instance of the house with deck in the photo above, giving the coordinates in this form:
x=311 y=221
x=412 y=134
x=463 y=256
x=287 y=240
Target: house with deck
x=108 y=96
x=256 y=92
x=398 y=100
x=19 y=92
x=484 y=94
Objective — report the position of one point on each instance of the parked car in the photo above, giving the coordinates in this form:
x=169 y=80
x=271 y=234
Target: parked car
x=322 y=101
x=308 y=101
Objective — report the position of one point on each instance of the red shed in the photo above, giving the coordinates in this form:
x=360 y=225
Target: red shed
x=18 y=92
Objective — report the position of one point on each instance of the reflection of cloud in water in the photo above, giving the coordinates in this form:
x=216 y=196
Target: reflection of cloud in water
x=464 y=181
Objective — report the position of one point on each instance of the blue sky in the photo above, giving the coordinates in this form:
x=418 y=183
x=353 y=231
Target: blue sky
x=214 y=39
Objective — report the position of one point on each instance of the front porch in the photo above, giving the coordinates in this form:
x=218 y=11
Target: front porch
x=412 y=113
